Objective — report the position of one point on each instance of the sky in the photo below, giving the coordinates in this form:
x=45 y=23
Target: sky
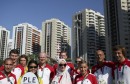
x=14 y=12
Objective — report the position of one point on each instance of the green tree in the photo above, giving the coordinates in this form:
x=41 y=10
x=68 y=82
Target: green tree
x=51 y=61
x=32 y=56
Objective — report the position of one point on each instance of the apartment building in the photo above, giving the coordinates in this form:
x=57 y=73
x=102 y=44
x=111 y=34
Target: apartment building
x=117 y=23
x=88 y=35
x=55 y=37
x=26 y=38
x=10 y=43
x=4 y=38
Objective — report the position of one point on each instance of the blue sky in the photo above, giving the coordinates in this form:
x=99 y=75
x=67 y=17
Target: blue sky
x=13 y=12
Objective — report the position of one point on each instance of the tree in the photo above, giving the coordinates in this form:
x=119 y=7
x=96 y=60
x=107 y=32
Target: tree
x=51 y=61
x=33 y=57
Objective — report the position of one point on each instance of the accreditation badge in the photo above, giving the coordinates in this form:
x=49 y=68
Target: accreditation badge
x=121 y=82
x=86 y=81
x=102 y=81
x=54 y=82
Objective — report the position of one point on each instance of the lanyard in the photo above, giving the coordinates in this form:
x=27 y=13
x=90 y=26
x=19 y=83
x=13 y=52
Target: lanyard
x=7 y=77
x=60 y=78
x=42 y=71
x=84 y=78
x=122 y=73
x=102 y=70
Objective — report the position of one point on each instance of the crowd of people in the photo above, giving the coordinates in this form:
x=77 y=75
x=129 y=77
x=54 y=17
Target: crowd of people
x=63 y=72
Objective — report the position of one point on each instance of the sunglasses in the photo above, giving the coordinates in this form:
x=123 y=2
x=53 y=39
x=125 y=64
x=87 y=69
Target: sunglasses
x=77 y=61
x=62 y=64
x=32 y=67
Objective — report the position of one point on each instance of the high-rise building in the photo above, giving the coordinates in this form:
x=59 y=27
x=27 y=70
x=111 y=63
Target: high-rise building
x=117 y=22
x=4 y=37
x=88 y=35
x=26 y=38
x=55 y=37
x=10 y=43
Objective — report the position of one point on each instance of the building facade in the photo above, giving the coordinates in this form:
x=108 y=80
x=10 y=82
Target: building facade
x=117 y=21
x=26 y=38
x=4 y=39
x=10 y=43
x=55 y=37
x=88 y=35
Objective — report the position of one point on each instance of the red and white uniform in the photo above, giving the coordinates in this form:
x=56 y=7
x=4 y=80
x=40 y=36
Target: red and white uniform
x=87 y=79
x=10 y=80
x=104 y=73
x=76 y=72
x=46 y=73
x=1 y=67
x=17 y=71
x=69 y=68
x=62 y=78
x=122 y=72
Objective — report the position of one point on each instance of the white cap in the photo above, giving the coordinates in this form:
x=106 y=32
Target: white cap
x=60 y=60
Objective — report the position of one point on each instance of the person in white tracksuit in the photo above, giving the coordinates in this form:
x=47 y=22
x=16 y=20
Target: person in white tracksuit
x=62 y=76
x=122 y=66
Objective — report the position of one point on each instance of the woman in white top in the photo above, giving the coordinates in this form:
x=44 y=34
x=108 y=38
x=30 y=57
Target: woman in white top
x=62 y=76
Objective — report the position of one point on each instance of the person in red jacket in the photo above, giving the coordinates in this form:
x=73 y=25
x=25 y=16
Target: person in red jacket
x=69 y=66
x=78 y=62
x=6 y=77
x=122 y=65
x=85 y=77
x=103 y=70
x=23 y=60
x=45 y=71
x=62 y=76
x=18 y=69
